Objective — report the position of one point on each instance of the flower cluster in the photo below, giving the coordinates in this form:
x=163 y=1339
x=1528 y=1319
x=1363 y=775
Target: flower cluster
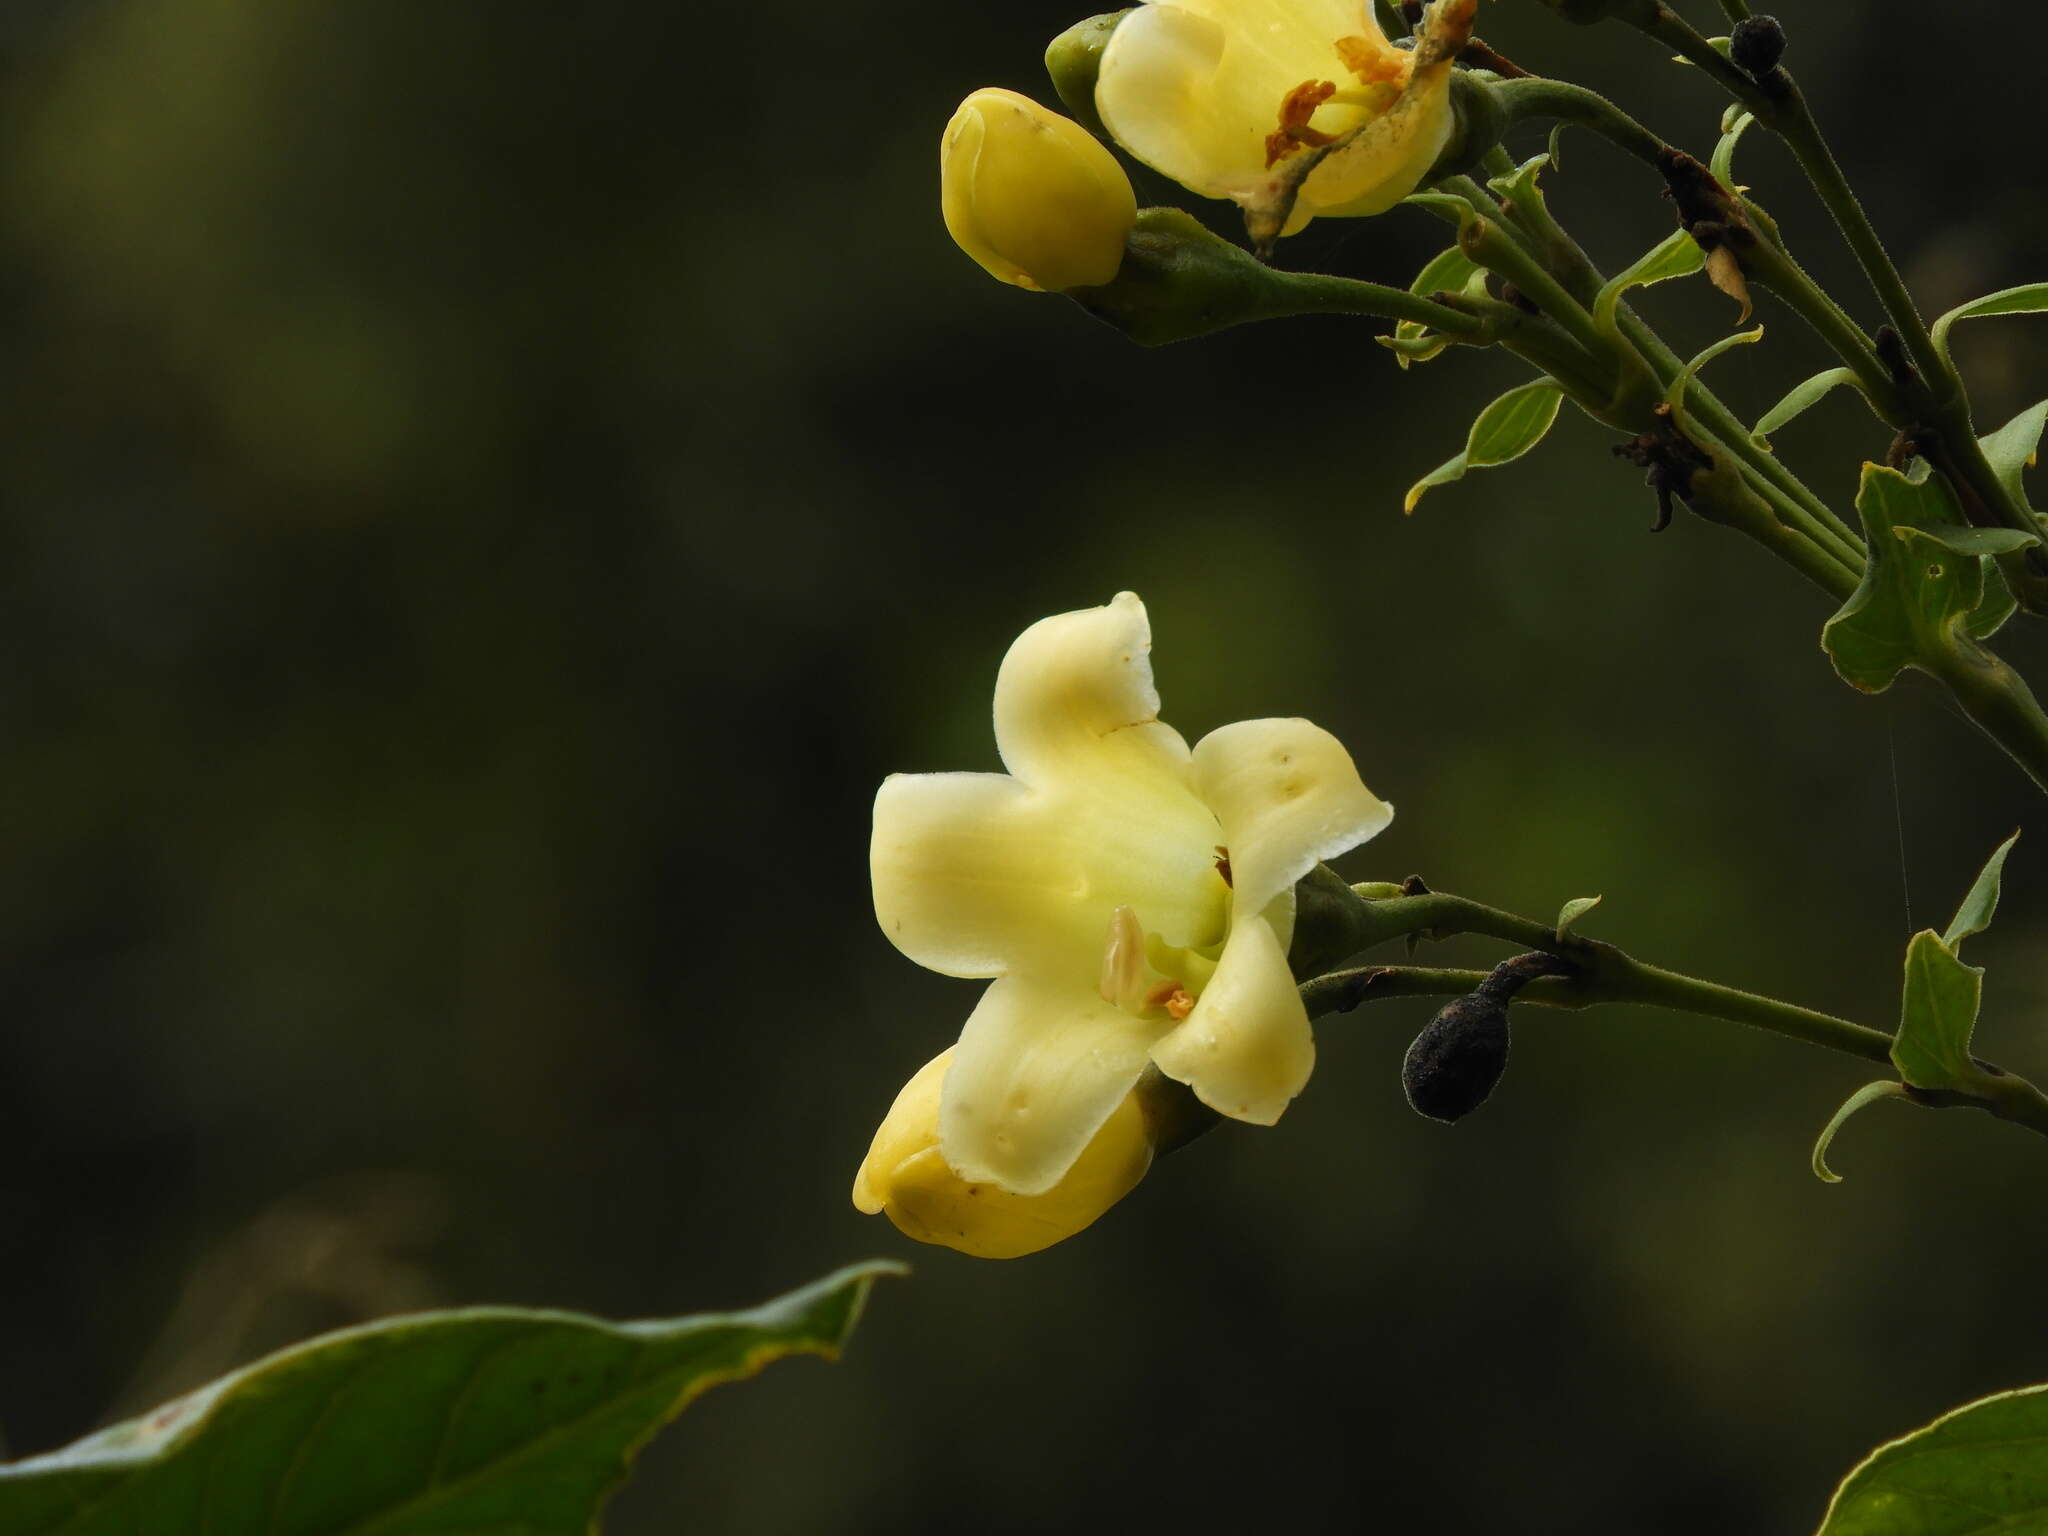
x=1293 y=109
x=1132 y=902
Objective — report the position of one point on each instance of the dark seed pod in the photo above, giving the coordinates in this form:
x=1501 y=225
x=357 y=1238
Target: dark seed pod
x=1756 y=45
x=1458 y=1058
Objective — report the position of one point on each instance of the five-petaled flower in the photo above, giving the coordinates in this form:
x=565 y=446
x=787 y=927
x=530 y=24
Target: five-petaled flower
x=1295 y=109
x=1131 y=899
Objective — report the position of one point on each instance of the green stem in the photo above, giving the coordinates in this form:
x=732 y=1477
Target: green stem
x=1999 y=702
x=1560 y=101
x=1603 y=975
x=1782 y=107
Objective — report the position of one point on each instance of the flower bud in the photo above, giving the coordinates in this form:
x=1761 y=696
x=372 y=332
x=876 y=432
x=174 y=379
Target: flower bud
x=906 y=1177
x=1756 y=45
x=1031 y=196
x=1074 y=62
x=1458 y=1058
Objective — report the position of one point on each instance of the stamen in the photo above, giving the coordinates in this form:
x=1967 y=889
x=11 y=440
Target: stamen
x=1296 y=108
x=1373 y=62
x=1180 y=1005
x=1123 y=960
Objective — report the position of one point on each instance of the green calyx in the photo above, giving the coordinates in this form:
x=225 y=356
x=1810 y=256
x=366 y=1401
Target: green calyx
x=1074 y=61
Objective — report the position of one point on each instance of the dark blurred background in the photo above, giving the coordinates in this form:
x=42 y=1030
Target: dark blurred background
x=489 y=491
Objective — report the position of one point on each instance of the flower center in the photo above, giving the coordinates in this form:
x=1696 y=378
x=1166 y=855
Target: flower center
x=1380 y=69
x=1145 y=976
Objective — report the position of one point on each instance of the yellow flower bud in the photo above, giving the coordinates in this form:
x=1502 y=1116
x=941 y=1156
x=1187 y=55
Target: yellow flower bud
x=1031 y=196
x=906 y=1177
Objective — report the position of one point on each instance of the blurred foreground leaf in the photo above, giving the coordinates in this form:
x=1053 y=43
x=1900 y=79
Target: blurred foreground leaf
x=1982 y=1468
x=489 y=1419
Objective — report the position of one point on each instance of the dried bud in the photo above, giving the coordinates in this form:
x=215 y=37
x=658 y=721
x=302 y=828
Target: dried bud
x=1756 y=45
x=1458 y=1058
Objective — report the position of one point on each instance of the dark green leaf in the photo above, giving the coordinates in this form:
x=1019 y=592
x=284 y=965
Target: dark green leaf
x=1960 y=539
x=1974 y=915
x=1937 y=1016
x=1980 y=1469
x=2011 y=449
x=1917 y=597
x=1505 y=430
x=483 y=1420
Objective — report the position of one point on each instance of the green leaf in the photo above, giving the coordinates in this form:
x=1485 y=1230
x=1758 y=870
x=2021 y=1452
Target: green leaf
x=1505 y=430
x=1917 y=598
x=1862 y=1098
x=2028 y=299
x=485 y=1420
x=1723 y=164
x=1679 y=255
x=1937 y=1016
x=1521 y=181
x=1675 y=395
x=1801 y=397
x=1573 y=910
x=1450 y=271
x=2013 y=447
x=1960 y=539
x=1980 y=1468
x=1974 y=915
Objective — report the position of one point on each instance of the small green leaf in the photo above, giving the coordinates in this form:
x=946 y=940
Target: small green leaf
x=1521 y=181
x=1675 y=395
x=1863 y=1097
x=1917 y=598
x=1723 y=164
x=1555 y=148
x=2013 y=447
x=2028 y=299
x=1679 y=255
x=488 y=1419
x=1974 y=915
x=1937 y=1016
x=1450 y=271
x=1799 y=398
x=1718 y=44
x=1573 y=910
x=1505 y=430
x=1981 y=1468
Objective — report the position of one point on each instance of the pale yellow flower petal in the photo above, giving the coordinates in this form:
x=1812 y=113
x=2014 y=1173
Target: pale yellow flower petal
x=1077 y=719
x=972 y=877
x=1247 y=1049
x=905 y=1175
x=1039 y=1068
x=1193 y=90
x=1288 y=796
x=1389 y=157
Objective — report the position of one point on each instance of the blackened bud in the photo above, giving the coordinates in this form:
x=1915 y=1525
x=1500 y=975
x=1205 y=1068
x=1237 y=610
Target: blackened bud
x=1756 y=45
x=1458 y=1058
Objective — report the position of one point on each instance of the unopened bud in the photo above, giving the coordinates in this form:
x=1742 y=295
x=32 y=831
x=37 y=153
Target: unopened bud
x=1074 y=61
x=1031 y=196
x=1756 y=45
x=1457 y=1060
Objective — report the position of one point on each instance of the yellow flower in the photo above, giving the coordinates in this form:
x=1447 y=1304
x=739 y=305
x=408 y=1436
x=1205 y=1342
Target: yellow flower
x=906 y=1176
x=1133 y=900
x=1292 y=108
x=1031 y=196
